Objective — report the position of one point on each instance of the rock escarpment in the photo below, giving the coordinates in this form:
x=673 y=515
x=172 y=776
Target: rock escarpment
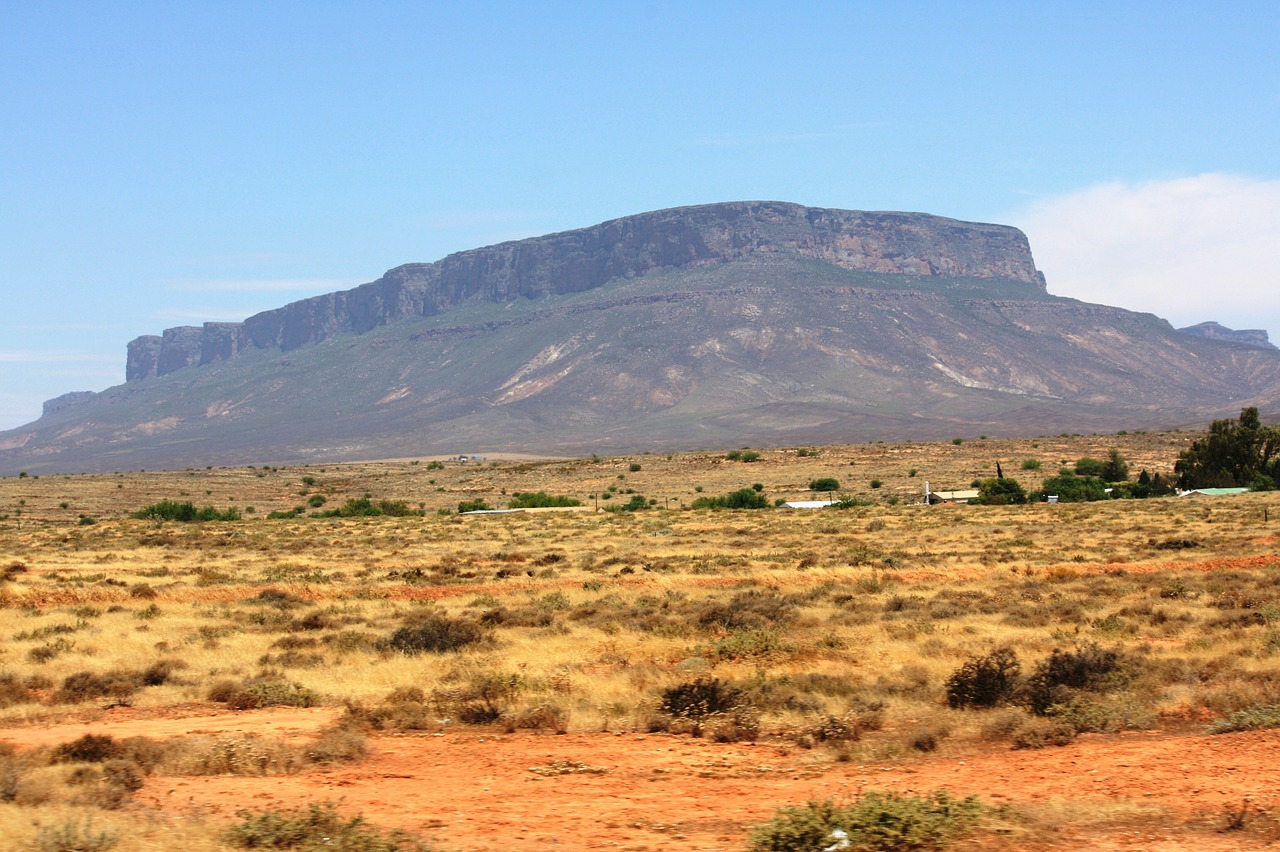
x=908 y=244
x=1216 y=331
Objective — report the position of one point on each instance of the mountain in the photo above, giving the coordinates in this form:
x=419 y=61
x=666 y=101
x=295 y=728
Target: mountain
x=751 y=323
x=1217 y=331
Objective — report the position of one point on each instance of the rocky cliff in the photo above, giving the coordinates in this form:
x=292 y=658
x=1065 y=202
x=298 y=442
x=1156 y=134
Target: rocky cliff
x=908 y=244
x=1216 y=331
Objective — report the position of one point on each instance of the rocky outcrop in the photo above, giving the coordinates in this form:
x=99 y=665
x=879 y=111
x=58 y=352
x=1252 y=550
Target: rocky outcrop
x=908 y=244
x=67 y=400
x=1216 y=331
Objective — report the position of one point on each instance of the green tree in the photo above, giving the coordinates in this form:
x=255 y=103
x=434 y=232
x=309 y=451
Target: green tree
x=1089 y=467
x=1074 y=489
x=1233 y=453
x=1000 y=492
x=826 y=483
x=1115 y=469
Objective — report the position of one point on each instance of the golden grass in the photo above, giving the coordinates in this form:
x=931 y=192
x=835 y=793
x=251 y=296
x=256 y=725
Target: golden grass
x=812 y=613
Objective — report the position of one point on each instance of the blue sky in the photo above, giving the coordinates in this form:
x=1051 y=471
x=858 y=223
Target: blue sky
x=170 y=163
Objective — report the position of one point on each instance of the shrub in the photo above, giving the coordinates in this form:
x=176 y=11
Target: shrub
x=1261 y=717
x=476 y=505
x=436 y=635
x=363 y=507
x=73 y=836
x=1031 y=464
x=1088 y=667
x=698 y=700
x=539 y=500
x=984 y=681
x=90 y=748
x=1089 y=467
x=1070 y=488
x=824 y=484
x=634 y=467
x=743 y=498
x=261 y=692
x=1041 y=733
x=1000 y=491
x=876 y=821
x=318 y=826
x=171 y=510
x=742 y=455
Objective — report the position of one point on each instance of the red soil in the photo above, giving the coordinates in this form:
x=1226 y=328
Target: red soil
x=475 y=791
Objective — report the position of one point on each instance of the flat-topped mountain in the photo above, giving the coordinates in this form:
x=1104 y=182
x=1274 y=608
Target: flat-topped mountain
x=581 y=260
x=752 y=323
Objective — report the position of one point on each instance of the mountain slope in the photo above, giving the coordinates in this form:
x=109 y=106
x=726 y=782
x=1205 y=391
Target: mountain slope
x=715 y=326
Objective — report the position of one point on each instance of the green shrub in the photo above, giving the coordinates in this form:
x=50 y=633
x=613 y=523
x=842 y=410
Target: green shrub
x=316 y=827
x=743 y=498
x=1031 y=464
x=984 y=681
x=876 y=821
x=436 y=634
x=363 y=507
x=1261 y=717
x=1089 y=467
x=539 y=500
x=1070 y=488
x=171 y=510
x=476 y=505
x=826 y=483
x=1000 y=491
x=742 y=455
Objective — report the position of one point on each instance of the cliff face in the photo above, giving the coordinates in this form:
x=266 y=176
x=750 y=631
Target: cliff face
x=908 y=244
x=1216 y=331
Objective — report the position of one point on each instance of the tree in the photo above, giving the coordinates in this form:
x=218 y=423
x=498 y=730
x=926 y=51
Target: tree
x=1075 y=489
x=1116 y=469
x=1000 y=492
x=825 y=483
x=1089 y=467
x=1233 y=453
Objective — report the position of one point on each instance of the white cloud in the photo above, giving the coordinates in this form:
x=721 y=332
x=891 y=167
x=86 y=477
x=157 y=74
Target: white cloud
x=1187 y=249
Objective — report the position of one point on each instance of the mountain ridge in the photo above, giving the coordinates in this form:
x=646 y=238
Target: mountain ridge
x=587 y=258
x=755 y=336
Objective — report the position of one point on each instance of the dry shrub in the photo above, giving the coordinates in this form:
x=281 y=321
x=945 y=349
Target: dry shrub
x=984 y=681
x=232 y=755
x=544 y=717
x=343 y=742
x=437 y=634
x=1041 y=733
x=90 y=748
x=261 y=691
x=13 y=690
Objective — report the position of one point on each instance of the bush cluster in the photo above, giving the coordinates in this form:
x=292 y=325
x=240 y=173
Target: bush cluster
x=743 y=498
x=437 y=634
x=171 y=510
x=876 y=821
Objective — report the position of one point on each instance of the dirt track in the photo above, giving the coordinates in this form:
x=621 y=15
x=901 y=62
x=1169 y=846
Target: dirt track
x=474 y=791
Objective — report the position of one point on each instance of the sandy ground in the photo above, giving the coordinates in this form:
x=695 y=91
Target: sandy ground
x=477 y=791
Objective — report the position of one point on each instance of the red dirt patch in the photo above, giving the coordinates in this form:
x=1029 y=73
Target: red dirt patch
x=478 y=792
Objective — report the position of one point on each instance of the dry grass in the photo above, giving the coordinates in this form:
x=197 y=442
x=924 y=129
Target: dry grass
x=858 y=615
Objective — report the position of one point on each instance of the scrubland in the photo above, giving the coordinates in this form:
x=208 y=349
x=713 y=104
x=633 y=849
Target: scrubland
x=887 y=634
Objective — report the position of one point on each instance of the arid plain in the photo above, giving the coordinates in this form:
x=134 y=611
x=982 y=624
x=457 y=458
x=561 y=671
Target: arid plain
x=520 y=680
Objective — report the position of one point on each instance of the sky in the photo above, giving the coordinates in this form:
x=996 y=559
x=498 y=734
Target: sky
x=168 y=164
